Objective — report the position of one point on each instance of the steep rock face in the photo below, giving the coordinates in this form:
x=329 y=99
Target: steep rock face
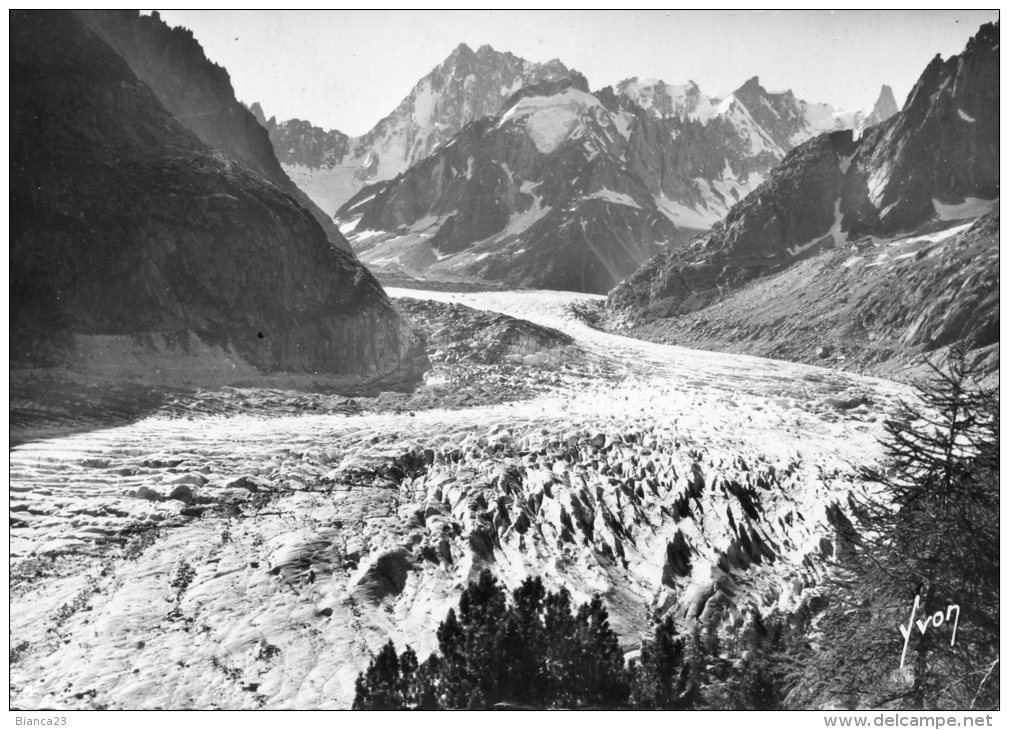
x=935 y=160
x=199 y=94
x=793 y=212
x=780 y=116
x=466 y=86
x=125 y=225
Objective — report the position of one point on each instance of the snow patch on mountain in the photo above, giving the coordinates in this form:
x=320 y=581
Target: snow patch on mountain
x=877 y=183
x=549 y=120
x=660 y=99
x=821 y=118
x=347 y=226
x=839 y=236
x=969 y=208
x=521 y=222
x=424 y=104
x=622 y=121
x=614 y=197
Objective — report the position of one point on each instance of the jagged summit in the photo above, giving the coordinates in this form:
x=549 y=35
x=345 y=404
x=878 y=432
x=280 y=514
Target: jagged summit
x=464 y=87
x=258 y=113
x=886 y=100
x=884 y=108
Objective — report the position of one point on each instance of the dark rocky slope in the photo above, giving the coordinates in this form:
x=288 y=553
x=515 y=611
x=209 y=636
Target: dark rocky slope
x=876 y=309
x=198 y=92
x=934 y=162
x=790 y=215
x=129 y=233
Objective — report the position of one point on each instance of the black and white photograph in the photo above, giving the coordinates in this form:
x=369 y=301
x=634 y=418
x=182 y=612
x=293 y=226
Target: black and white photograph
x=504 y=360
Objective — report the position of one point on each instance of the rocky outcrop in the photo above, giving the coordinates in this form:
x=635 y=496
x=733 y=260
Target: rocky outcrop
x=934 y=161
x=459 y=334
x=125 y=226
x=298 y=143
x=198 y=92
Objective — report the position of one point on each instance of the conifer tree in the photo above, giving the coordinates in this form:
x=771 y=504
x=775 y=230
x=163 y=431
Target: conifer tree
x=662 y=677
x=925 y=534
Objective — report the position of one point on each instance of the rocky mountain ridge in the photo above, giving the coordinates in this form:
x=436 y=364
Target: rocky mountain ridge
x=468 y=85
x=572 y=190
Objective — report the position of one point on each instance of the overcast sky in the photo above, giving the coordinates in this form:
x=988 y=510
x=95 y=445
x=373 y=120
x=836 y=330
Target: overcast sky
x=348 y=69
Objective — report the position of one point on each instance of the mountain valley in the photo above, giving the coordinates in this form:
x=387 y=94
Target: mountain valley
x=279 y=394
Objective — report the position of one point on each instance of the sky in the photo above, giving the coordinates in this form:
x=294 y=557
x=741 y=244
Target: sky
x=346 y=69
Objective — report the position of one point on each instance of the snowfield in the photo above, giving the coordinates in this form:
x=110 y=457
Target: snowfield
x=242 y=561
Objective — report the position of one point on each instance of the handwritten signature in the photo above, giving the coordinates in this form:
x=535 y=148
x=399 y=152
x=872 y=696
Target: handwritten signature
x=937 y=619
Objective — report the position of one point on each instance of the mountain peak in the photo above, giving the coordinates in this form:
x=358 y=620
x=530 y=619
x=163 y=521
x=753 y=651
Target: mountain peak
x=886 y=104
x=258 y=113
x=987 y=34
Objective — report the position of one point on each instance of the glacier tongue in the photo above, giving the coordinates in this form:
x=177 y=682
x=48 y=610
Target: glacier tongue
x=323 y=536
